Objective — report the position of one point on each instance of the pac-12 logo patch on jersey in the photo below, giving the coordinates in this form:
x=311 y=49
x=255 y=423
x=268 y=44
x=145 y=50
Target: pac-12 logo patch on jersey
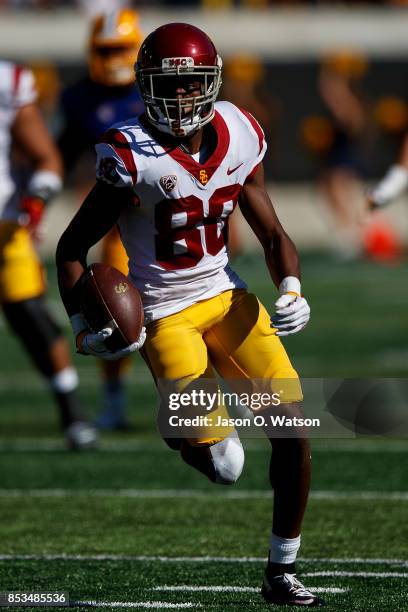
x=107 y=170
x=168 y=182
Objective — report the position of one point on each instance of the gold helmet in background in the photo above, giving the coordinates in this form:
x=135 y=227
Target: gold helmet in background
x=244 y=68
x=348 y=63
x=113 y=47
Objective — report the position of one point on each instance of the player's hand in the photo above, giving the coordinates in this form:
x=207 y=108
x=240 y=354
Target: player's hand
x=94 y=344
x=32 y=210
x=292 y=314
x=89 y=343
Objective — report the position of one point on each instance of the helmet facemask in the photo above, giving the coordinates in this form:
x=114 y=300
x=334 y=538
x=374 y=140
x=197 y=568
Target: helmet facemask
x=179 y=115
x=112 y=65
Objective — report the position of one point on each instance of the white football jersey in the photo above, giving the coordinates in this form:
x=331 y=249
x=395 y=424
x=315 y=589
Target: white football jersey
x=16 y=90
x=175 y=232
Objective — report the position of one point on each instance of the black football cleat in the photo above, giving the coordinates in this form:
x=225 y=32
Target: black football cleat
x=287 y=590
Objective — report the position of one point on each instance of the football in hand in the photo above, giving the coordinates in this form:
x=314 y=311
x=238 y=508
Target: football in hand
x=109 y=300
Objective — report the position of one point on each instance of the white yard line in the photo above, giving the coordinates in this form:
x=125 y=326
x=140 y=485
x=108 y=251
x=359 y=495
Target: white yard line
x=199 y=494
x=138 y=493
x=203 y=559
x=153 y=605
x=156 y=445
x=140 y=558
x=337 y=574
x=234 y=589
x=355 y=560
x=29 y=380
x=24 y=445
x=363 y=495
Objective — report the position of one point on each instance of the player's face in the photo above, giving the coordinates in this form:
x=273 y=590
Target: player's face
x=181 y=88
x=172 y=86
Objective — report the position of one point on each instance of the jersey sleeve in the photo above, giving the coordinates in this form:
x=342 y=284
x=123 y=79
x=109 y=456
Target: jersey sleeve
x=258 y=143
x=115 y=163
x=24 y=87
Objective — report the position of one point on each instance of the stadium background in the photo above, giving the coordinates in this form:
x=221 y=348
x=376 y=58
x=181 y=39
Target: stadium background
x=95 y=524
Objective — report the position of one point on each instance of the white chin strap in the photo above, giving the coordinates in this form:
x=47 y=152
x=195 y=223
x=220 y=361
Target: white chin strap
x=187 y=126
x=184 y=130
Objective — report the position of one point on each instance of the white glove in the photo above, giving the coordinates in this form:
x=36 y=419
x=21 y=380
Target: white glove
x=94 y=343
x=292 y=310
x=390 y=187
x=292 y=314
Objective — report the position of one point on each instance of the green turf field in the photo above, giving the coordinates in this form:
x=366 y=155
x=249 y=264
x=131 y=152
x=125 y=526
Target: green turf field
x=133 y=524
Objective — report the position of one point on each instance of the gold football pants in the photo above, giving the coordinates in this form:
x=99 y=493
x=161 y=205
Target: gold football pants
x=113 y=251
x=230 y=333
x=22 y=275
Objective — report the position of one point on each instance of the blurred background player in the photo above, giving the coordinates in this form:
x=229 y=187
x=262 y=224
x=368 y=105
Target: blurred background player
x=244 y=86
x=104 y=97
x=338 y=139
x=381 y=239
x=394 y=183
x=30 y=175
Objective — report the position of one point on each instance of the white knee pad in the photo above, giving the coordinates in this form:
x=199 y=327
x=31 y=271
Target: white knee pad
x=228 y=459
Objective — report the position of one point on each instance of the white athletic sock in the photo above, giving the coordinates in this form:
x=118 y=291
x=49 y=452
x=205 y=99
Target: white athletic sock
x=283 y=550
x=64 y=381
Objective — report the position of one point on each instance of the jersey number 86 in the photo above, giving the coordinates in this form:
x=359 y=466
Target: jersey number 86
x=186 y=231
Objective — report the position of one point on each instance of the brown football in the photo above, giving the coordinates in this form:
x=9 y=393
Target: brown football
x=109 y=299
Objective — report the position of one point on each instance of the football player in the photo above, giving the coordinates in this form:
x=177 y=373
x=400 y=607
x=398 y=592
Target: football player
x=170 y=178
x=22 y=278
x=342 y=162
x=105 y=96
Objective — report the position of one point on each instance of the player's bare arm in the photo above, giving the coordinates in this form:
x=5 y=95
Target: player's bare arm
x=98 y=213
x=292 y=310
x=345 y=105
x=32 y=137
x=280 y=252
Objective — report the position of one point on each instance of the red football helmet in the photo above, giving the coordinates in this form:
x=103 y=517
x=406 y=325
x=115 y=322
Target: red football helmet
x=174 y=61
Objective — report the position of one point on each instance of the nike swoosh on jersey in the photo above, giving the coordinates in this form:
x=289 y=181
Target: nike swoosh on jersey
x=231 y=170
